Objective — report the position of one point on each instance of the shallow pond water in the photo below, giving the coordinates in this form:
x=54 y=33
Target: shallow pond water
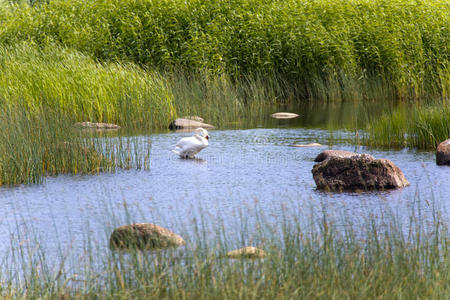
x=245 y=177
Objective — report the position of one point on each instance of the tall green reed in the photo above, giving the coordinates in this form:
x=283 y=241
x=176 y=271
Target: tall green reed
x=75 y=85
x=78 y=87
x=314 y=45
x=67 y=81
x=34 y=145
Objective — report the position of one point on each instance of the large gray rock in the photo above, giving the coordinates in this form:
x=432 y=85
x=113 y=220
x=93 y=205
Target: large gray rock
x=144 y=236
x=188 y=124
x=93 y=125
x=333 y=153
x=359 y=172
x=443 y=153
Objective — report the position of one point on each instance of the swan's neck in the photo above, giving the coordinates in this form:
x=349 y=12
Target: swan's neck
x=201 y=139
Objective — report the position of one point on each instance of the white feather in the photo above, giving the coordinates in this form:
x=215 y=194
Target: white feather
x=188 y=147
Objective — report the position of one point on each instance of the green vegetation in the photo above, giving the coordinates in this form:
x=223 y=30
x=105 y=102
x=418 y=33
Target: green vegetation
x=77 y=87
x=315 y=45
x=40 y=144
x=42 y=95
x=74 y=85
x=323 y=260
x=141 y=63
x=420 y=126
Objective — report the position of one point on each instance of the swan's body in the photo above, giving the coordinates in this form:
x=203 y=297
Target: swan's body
x=188 y=147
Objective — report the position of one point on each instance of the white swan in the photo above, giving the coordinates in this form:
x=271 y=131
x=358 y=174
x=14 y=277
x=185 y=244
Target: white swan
x=189 y=146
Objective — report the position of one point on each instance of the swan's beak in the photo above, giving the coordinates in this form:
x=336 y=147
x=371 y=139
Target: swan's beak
x=207 y=137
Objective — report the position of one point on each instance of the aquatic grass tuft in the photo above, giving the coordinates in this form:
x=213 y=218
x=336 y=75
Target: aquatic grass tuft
x=419 y=126
x=45 y=143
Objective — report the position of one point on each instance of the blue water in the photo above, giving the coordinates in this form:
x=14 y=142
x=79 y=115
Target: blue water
x=243 y=177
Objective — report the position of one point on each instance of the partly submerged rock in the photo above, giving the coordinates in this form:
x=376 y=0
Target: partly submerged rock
x=359 y=172
x=247 y=252
x=94 y=125
x=284 y=115
x=333 y=153
x=309 y=145
x=188 y=124
x=194 y=118
x=144 y=236
x=443 y=153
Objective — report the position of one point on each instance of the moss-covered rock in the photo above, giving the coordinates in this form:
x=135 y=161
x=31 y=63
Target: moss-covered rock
x=144 y=236
x=358 y=173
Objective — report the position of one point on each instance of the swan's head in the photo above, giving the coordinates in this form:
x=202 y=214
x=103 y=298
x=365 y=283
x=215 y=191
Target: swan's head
x=202 y=132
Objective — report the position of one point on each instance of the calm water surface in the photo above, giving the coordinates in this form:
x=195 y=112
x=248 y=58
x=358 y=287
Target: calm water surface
x=242 y=177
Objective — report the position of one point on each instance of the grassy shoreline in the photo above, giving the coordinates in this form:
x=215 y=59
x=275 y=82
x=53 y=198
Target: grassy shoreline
x=375 y=259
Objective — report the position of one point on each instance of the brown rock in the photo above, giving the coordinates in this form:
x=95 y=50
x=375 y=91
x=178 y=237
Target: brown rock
x=188 y=124
x=284 y=115
x=96 y=125
x=246 y=252
x=443 y=153
x=357 y=173
x=334 y=153
x=144 y=236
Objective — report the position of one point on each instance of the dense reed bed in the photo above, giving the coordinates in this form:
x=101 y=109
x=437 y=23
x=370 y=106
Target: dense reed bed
x=328 y=258
x=76 y=86
x=316 y=46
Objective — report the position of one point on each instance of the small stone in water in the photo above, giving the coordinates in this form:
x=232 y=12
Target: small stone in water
x=284 y=115
x=309 y=145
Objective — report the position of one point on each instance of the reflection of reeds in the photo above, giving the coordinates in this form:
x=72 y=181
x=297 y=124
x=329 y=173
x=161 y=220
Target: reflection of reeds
x=312 y=258
x=44 y=143
x=418 y=126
